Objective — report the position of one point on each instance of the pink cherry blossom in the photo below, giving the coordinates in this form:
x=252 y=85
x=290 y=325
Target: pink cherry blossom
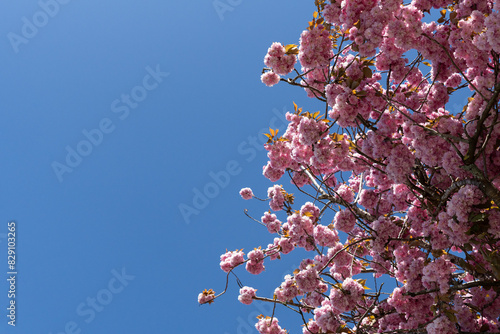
x=230 y=260
x=246 y=295
x=270 y=78
x=246 y=193
x=278 y=60
x=394 y=171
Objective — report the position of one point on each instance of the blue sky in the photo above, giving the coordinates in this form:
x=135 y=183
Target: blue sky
x=114 y=114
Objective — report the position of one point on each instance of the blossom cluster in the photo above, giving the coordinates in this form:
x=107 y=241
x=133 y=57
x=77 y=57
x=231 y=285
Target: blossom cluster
x=404 y=184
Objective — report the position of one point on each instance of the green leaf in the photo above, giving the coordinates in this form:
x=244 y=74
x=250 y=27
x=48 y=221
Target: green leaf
x=476 y=218
x=367 y=72
x=450 y=315
x=361 y=93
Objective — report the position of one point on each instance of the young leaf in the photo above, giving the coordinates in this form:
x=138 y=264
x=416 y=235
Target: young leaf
x=367 y=72
x=336 y=137
x=291 y=49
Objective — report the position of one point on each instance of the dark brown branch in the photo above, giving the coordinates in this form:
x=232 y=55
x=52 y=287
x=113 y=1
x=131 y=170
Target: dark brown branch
x=283 y=303
x=470 y=156
x=457 y=287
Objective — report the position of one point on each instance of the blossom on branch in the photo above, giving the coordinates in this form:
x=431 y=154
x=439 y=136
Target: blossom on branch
x=396 y=178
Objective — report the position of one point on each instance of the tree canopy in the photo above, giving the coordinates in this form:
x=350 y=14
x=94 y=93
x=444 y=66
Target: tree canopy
x=402 y=183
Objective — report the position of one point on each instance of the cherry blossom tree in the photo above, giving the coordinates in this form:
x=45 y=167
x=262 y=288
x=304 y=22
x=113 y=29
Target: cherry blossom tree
x=400 y=184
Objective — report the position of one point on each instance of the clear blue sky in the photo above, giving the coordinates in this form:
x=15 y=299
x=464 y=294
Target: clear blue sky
x=112 y=114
